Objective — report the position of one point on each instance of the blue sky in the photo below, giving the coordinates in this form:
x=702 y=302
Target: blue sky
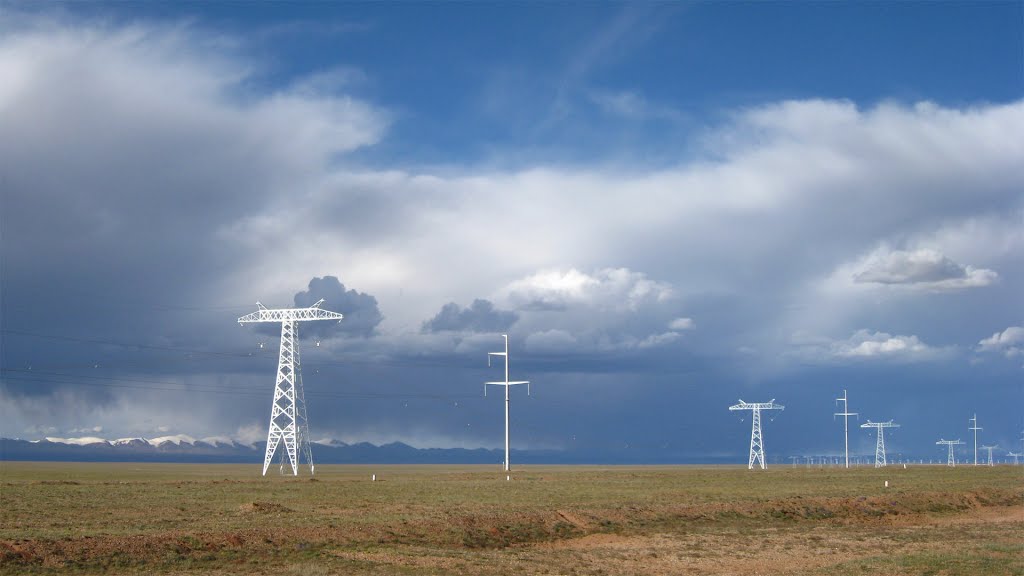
x=667 y=206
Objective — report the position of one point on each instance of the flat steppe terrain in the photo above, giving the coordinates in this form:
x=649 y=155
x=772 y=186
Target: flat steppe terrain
x=226 y=519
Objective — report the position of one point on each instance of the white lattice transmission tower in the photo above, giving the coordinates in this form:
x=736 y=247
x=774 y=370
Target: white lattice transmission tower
x=507 y=384
x=880 y=427
x=1016 y=457
x=975 y=428
x=950 y=461
x=989 y=449
x=288 y=422
x=756 y=437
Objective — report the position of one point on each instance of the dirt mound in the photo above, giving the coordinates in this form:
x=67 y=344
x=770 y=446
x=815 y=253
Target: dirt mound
x=264 y=508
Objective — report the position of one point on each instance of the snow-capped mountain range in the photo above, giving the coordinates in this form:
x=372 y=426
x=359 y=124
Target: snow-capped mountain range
x=185 y=448
x=214 y=449
x=177 y=440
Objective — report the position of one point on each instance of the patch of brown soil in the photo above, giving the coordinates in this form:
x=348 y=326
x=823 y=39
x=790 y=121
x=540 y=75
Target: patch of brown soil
x=264 y=508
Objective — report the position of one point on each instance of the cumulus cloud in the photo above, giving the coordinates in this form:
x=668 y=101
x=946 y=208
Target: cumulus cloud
x=922 y=268
x=607 y=289
x=608 y=310
x=866 y=345
x=480 y=316
x=361 y=312
x=1009 y=342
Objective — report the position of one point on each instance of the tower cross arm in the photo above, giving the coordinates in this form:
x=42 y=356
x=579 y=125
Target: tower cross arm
x=769 y=405
x=290 y=314
x=870 y=424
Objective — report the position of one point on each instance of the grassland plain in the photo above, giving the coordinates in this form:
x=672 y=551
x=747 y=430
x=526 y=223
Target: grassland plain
x=226 y=519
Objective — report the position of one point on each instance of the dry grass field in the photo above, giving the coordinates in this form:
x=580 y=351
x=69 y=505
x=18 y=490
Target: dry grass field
x=178 y=518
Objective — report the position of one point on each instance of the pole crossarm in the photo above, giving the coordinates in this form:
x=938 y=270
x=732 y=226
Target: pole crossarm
x=265 y=314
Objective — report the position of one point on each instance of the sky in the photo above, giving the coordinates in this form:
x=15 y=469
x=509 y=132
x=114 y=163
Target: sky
x=666 y=206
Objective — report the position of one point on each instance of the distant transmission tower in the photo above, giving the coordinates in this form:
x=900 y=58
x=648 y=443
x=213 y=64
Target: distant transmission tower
x=846 y=425
x=880 y=443
x=990 y=448
x=975 y=429
x=288 y=411
x=951 y=461
x=1015 y=456
x=506 y=383
x=756 y=439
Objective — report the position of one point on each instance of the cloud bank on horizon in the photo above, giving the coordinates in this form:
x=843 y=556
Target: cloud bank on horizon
x=155 y=183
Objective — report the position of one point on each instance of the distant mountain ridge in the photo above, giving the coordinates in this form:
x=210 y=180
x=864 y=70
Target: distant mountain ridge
x=184 y=448
x=220 y=450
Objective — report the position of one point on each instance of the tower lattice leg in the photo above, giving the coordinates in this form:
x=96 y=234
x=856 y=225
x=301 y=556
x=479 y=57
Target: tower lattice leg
x=282 y=411
x=950 y=461
x=880 y=449
x=305 y=450
x=756 y=442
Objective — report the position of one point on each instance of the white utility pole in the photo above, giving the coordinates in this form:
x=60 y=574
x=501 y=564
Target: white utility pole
x=506 y=384
x=288 y=410
x=880 y=442
x=975 y=428
x=756 y=438
x=846 y=425
x=950 y=461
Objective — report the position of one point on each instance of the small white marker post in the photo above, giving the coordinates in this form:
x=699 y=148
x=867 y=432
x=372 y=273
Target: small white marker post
x=373 y=478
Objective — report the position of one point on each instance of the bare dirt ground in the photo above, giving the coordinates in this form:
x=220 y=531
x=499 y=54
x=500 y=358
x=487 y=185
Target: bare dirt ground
x=552 y=520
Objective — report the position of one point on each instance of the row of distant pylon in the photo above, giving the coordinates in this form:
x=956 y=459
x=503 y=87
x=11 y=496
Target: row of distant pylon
x=289 y=424
x=757 y=437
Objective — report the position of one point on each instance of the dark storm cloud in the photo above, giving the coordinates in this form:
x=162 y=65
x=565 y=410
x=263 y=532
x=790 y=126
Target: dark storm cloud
x=361 y=312
x=480 y=316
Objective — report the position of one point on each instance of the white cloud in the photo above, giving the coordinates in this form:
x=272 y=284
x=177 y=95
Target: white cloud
x=920 y=269
x=866 y=345
x=611 y=309
x=1009 y=342
x=683 y=324
x=606 y=289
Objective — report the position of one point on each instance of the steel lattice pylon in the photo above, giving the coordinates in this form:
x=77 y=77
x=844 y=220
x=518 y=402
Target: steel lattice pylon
x=288 y=422
x=990 y=448
x=880 y=461
x=951 y=461
x=756 y=438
